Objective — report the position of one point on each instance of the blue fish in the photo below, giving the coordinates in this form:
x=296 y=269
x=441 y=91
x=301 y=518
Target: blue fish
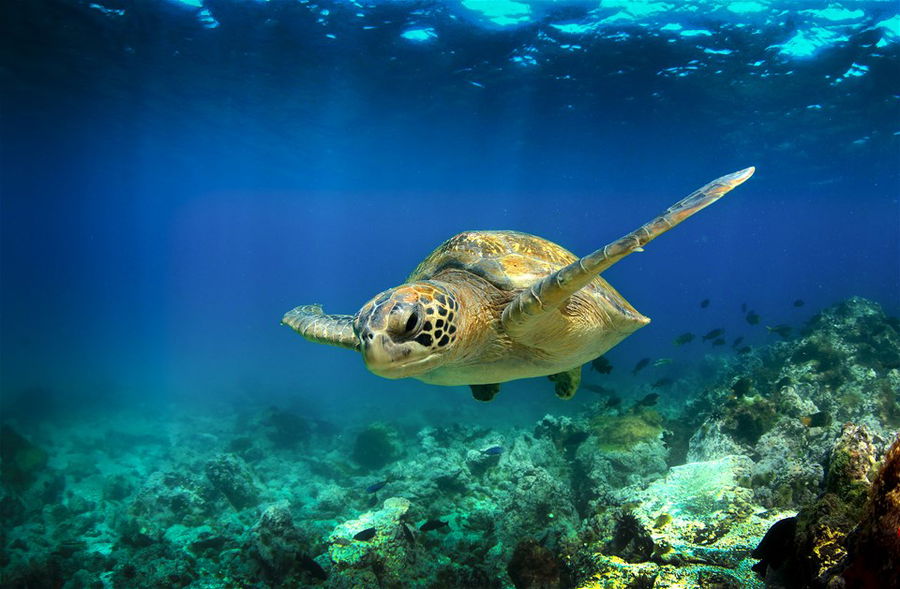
x=494 y=451
x=376 y=487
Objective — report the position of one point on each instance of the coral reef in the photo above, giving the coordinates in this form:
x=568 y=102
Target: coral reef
x=774 y=452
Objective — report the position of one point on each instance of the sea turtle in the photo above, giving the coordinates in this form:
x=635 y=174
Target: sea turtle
x=488 y=307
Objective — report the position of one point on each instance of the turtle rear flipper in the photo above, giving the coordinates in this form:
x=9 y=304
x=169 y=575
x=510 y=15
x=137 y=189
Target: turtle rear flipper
x=549 y=293
x=311 y=322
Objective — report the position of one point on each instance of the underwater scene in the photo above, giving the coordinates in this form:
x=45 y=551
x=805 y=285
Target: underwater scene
x=449 y=294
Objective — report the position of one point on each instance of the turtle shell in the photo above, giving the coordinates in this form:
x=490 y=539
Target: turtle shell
x=509 y=260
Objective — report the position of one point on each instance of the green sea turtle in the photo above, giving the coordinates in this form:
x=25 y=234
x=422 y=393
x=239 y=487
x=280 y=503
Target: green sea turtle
x=488 y=307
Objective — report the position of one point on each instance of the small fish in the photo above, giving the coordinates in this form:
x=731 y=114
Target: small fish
x=752 y=318
x=601 y=365
x=684 y=338
x=744 y=350
x=783 y=330
x=648 y=400
x=663 y=382
x=820 y=419
x=737 y=341
x=743 y=307
x=719 y=341
x=376 y=487
x=662 y=362
x=493 y=451
x=408 y=533
x=662 y=521
x=713 y=334
x=613 y=401
x=799 y=303
x=640 y=365
x=595 y=388
x=704 y=303
x=433 y=524
x=365 y=535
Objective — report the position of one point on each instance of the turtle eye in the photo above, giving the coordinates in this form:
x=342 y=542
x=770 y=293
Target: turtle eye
x=412 y=321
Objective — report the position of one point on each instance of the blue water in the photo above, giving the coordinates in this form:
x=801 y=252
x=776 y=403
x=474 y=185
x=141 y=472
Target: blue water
x=170 y=189
x=177 y=175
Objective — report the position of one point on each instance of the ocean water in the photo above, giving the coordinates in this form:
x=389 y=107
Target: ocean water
x=175 y=175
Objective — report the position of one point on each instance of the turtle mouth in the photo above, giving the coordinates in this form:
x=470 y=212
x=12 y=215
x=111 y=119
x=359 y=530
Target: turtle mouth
x=404 y=369
x=391 y=360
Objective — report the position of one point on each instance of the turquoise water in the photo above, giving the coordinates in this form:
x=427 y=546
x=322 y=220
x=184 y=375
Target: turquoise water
x=175 y=176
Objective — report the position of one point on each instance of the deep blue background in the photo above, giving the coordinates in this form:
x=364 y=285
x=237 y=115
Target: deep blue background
x=168 y=192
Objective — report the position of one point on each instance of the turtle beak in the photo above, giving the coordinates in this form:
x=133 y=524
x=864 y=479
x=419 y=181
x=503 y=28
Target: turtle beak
x=388 y=359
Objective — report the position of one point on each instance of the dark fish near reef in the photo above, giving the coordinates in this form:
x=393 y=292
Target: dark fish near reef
x=312 y=567
x=752 y=318
x=713 y=334
x=684 y=338
x=782 y=330
x=776 y=546
x=663 y=382
x=376 y=487
x=704 y=303
x=601 y=365
x=365 y=535
x=649 y=400
x=493 y=451
x=640 y=365
x=820 y=419
x=408 y=533
x=737 y=341
x=433 y=524
x=595 y=388
x=743 y=307
x=613 y=402
x=719 y=341
x=744 y=350
x=799 y=303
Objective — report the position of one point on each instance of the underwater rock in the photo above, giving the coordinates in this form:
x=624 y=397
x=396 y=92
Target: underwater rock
x=285 y=429
x=874 y=548
x=630 y=541
x=387 y=558
x=278 y=545
x=169 y=498
x=534 y=567
x=231 y=476
x=377 y=446
x=818 y=547
x=20 y=460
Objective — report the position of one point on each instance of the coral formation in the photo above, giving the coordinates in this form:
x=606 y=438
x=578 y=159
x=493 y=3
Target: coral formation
x=675 y=493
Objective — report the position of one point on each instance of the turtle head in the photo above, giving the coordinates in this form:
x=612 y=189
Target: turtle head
x=407 y=330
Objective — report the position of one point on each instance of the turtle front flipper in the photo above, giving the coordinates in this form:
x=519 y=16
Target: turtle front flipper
x=484 y=392
x=551 y=292
x=311 y=322
x=567 y=382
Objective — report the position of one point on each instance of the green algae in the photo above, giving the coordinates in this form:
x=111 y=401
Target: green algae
x=622 y=432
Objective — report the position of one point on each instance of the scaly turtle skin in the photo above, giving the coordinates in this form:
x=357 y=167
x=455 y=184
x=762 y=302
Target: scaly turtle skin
x=488 y=307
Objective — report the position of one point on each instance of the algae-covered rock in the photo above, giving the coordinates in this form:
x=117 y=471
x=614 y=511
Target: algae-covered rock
x=378 y=546
x=535 y=567
x=622 y=432
x=874 y=549
x=231 y=476
x=377 y=446
x=20 y=460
